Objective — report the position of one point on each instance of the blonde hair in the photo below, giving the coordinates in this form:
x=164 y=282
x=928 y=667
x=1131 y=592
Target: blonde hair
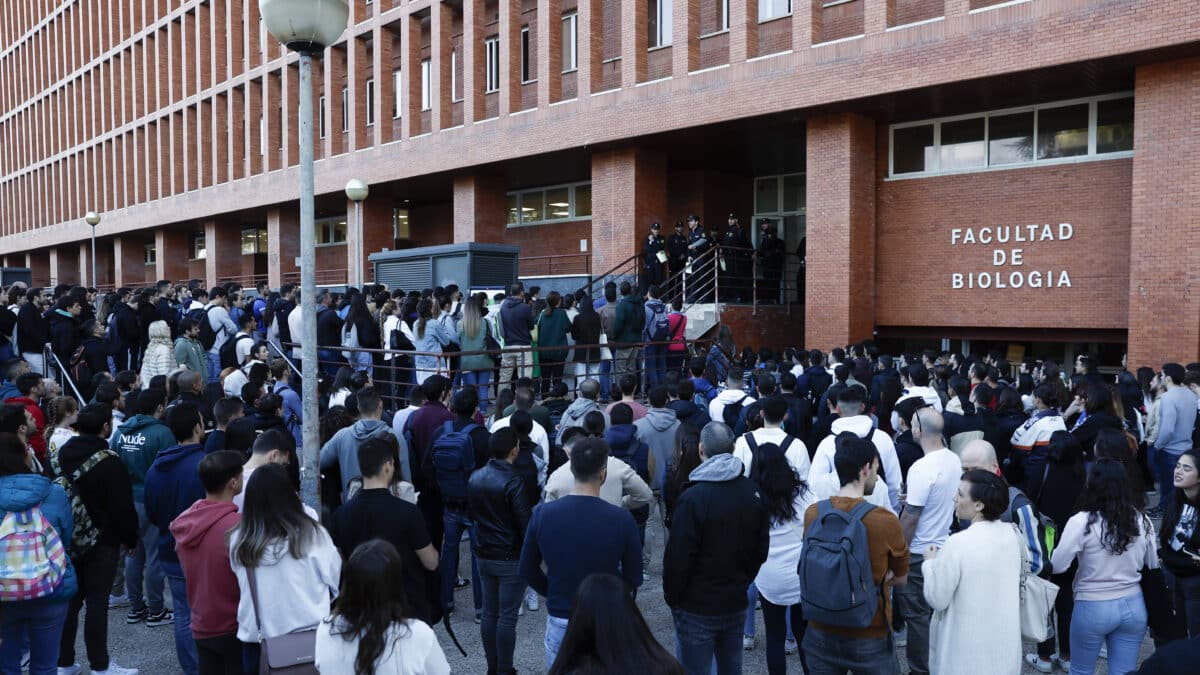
x=59 y=409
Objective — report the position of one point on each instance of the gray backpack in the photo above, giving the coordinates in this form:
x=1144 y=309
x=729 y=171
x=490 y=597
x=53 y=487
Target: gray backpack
x=837 y=587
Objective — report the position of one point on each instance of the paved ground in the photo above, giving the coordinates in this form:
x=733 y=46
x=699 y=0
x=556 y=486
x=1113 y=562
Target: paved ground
x=152 y=650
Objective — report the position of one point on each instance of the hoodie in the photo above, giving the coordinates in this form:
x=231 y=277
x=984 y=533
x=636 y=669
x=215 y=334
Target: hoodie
x=342 y=449
x=716 y=408
x=657 y=430
x=172 y=485
x=105 y=490
x=629 y=321
x=138 y=441
x=212 y=588
x=625 y=445
x=37 y=437
x=21 y=491
x=927 y=394
x=720 y=537
x=516 y=320
x=688 y=412
x=861 y=426
x=574 y=414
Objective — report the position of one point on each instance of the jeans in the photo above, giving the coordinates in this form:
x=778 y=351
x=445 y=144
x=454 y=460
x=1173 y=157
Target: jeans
x=917 y=613
x=185 y=646
x=144 y=564
x=701 y=640
x=214 y=366
x=1187 y=602
x=676 y=361
x=606 y=380
x=38 y=623
x=94 y=572
x=503 y=590
x=778 y=621
x=1164 y=470
x=480 y=380
x=515 y=358
x=752 y=597
x=627 y=360
x=828 y=654
x=1119 y=623
x=556 y=629
x=458 y=521
x=220 y=655
x=656 y=364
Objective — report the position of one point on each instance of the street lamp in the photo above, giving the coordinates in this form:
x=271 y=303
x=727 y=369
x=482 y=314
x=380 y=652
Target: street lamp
x=92 y=218
x=357 y=191
x=307 y=27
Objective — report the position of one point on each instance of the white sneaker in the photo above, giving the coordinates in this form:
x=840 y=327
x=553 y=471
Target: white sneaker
x=114 y=669
x=901 y=637
x=121 y=600
x=73 y=669
x=748 y=642
x=1104 y=652
x=789 y=646
x=1040 y=665
x=531 y=600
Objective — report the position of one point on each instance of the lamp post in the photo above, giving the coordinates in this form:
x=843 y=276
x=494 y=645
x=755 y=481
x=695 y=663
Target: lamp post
x=357 y=191
x=307 y=27
x=92 y=218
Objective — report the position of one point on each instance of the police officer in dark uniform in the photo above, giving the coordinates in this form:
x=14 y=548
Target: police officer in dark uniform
x=770 y=262
x=653 y=267
x=677 y=255
x=736 y=271
x=700 y=270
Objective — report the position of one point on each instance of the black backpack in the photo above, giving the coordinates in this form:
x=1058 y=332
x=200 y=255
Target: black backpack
x=81 y=372
x=733 y=412
x=208 y=336
x=753 y=443
x=228 y=351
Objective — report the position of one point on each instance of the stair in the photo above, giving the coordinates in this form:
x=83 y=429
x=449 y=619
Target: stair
x=702 y=317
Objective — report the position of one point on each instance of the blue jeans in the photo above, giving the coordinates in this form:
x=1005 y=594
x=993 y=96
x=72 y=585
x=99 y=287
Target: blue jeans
x=828 y=654
x=185 y=646
x=38 y=623
x=503 y=590
x=144 y=565
x=1164 y=470
x=556 y=629
x=214 y=366
x=656 y=364
x=702 y=640
x=458 y=522
x=1120 y=623
x=606 y=381
x=480 y=379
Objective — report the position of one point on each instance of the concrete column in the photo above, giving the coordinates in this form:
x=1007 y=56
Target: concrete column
x=1164 y=245
x=479 y=208
x=283 y=243
x=38 y=263
x=629 y=192
x=840 y=306
x=64 y=266
x=589 y=46
x=473 y=64
x=129 y=261
x=685 y=37
x=224 y=244
x=743 y=30
x=633 y=42
x=440 y=22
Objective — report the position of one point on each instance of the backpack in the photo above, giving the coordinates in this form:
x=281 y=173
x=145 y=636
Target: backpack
x=836 y=582
x=86 y=533
x=208 y=335
x=753 y=442
x=817 y=384
x=1047 y=529
x=33 y=561
x=228 y=351
x=453 y=456
x=634 y=456
x=733 y=411
x=660 y=326
x=81 y=372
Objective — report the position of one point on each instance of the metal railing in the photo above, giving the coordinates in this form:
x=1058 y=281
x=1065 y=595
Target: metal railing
x=325 y=277
x=550 y=265
x=48 y=355
x=244 y=280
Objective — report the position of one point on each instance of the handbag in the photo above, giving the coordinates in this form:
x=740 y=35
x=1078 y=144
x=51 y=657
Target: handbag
x=1037 y=599
x=1160 y=607
x=290 y=654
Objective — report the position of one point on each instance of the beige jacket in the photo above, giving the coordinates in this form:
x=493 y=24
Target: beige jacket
x=623 y=487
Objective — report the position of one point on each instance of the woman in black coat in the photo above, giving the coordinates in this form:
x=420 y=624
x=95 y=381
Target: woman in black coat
x=1180 y=540
x=1098 y=404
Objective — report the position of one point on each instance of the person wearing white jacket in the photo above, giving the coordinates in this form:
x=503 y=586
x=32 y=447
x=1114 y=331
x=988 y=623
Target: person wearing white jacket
x=732 y=395
x=159 y=358
x=916 y=385
x=294 y=564
x=851 y=402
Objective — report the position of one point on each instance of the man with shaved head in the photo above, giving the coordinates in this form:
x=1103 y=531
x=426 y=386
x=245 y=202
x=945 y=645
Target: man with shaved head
x=980 y=454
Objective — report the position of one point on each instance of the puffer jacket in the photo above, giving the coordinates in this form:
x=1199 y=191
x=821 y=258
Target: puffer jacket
x=22 y=491
x=500 y=511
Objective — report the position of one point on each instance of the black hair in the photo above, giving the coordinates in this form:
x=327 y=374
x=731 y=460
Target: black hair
x=148 y=401
x=990 y=489
x=465 y=402
x=217 y=468
x=774 y=409
x=778 y=483
x=502 y=442
x=851 y=455
x=588 y=458
x=658 y=396
x=434 y=387
x=1045 y=392
x=594 y=423
x=14 y=458
x=373 y=453
x=918 y=374
x=621 y=413
x=182 y=419
x=1108 y=500
x=28 y=382
x=370 y=602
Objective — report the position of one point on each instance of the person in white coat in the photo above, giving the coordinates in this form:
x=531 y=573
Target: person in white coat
x=160 y=352
x=973 y=585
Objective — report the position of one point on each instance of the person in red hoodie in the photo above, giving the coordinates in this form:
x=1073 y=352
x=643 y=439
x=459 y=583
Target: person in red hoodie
x=212 y=588
x=31 y=388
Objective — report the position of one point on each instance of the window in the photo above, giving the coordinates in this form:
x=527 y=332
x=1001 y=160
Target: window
x=345 y=110
x=491 y=47
x=262 y=135
x=557 y=203
x=570 y=44
x=724 y=14
x=321 y=116
x=151 y=256
x=400 y=224
x=773 y=9
x=525 y=54
x=1062 y=131
x=426 y=85
x=199 y=252
x=780 y=199
x=396 y=90
x=370 y=102
x=331 y=230
x=659 y=18
x=454 y=97
x=254 y=240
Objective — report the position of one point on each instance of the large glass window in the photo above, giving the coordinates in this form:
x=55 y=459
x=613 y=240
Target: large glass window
x=254 y=240
x=913 y=149
x=1010 y=138
x=962 y=144
x=345 y=110
x=331 y=230
x=400 y=226
x=396 y=94
x=198 y=249
x=1114 y=125
x=151 y=256
x=370 y=102
x=426 y=85
x=773 y=9
x=558 y=203
x=491 y=47
x=659 y=22
x=525 y=54
x=570 y=58
x=1062 y=131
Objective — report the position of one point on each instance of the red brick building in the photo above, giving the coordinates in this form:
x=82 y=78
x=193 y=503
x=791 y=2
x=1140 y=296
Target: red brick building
x=903 y=138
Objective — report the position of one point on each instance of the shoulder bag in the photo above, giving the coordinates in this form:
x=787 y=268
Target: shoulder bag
x=1037 y=599
x=290 y=654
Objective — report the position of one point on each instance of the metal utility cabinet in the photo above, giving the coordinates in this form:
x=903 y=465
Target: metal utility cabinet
x=471 y=266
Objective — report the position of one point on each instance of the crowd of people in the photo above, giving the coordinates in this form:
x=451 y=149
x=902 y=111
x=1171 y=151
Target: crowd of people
x=867 y=504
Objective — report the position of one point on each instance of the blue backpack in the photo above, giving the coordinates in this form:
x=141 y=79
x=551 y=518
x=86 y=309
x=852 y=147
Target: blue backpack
x=453 y=457
x=837 y=587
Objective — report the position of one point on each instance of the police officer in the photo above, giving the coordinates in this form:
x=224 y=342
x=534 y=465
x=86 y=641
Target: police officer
x=698 y=244
x=770 y=262
x=653 y=265
x=677 y=255
x=736 y=271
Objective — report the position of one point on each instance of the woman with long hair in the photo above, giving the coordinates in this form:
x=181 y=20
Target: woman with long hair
x=786 y=497
x=607 y=634
x=286 y=564
x=61 y=412
x=473 y=332
x=686 y=458
x=973 y=585
x=360 y=332
x=1179 y=540
x=1112 y=540
x=159 y=358
x=1098 y=405
x=370 y=631
x=553 y=326
x=342 y=386
x=430 y=337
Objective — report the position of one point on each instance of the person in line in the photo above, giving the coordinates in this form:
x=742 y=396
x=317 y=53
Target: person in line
x=926 y=518
x=293 y=409
x=473 y=334
x=608 y=634
x=720 y=537
x=852 y=418
x=223 y=328
x=189 y=353
x=1029 y=441
x=501 y=513
x=371 y=629
x=588 y=401
x=212 y=589
x=31 y=388
x=1020 y=511
x=553 y=327
x=159 y=358
x=628 y=325
x=732 y=395
x=1179 y=541
x=35 y=623
x=1176 y=420
x=576 y=536
x=774 y=415
x=974 y=584
x=657 y=429
x=622 y=486
x=516 y=324
x=225 y=410
x=286 y=565
x=1112 y=541
x=342 y=450
x=586 y=330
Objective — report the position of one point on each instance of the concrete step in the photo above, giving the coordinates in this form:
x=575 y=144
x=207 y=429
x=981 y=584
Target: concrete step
x=702 y=317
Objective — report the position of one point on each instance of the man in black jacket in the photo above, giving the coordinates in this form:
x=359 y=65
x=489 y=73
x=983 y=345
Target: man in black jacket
x=720 y=536
x=167 y=307
x=516 y=322
x=126 y=333
x=329 y=334
x=32 y=330
x=104 y=486
x=64 y=328
x=501 y=513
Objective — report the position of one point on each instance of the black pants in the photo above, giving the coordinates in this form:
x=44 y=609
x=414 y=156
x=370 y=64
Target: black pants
x=94 y=573
x=775 y=620
x=552 y=371
x=220 y=655
x=1064 y=605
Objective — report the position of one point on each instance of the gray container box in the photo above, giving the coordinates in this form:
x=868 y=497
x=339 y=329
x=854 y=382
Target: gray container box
x=471 y=266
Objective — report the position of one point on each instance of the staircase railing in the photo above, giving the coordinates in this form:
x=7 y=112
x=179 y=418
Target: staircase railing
x=624 y=269
x=48 y=355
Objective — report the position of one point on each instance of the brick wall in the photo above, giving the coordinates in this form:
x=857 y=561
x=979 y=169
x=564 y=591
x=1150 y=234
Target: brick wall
x=910 y=11
x=773 y=327
x=774 y=36
x=842 y=21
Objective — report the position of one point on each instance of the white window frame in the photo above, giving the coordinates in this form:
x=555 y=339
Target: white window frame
x=1090 y=156
x=328 y=225
x=571 y=46
x=345 y=110
x=397 y=95
x=571 y=201
x=525 y=62
x=724 y=15
x=768 y=5
x=426 y=85
x=664 y=10
x=321 y=116
x=150 y=256
x=262 y=135
x=491 y=80
x=454 y=97
x=370 y=91
x=198 y=246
